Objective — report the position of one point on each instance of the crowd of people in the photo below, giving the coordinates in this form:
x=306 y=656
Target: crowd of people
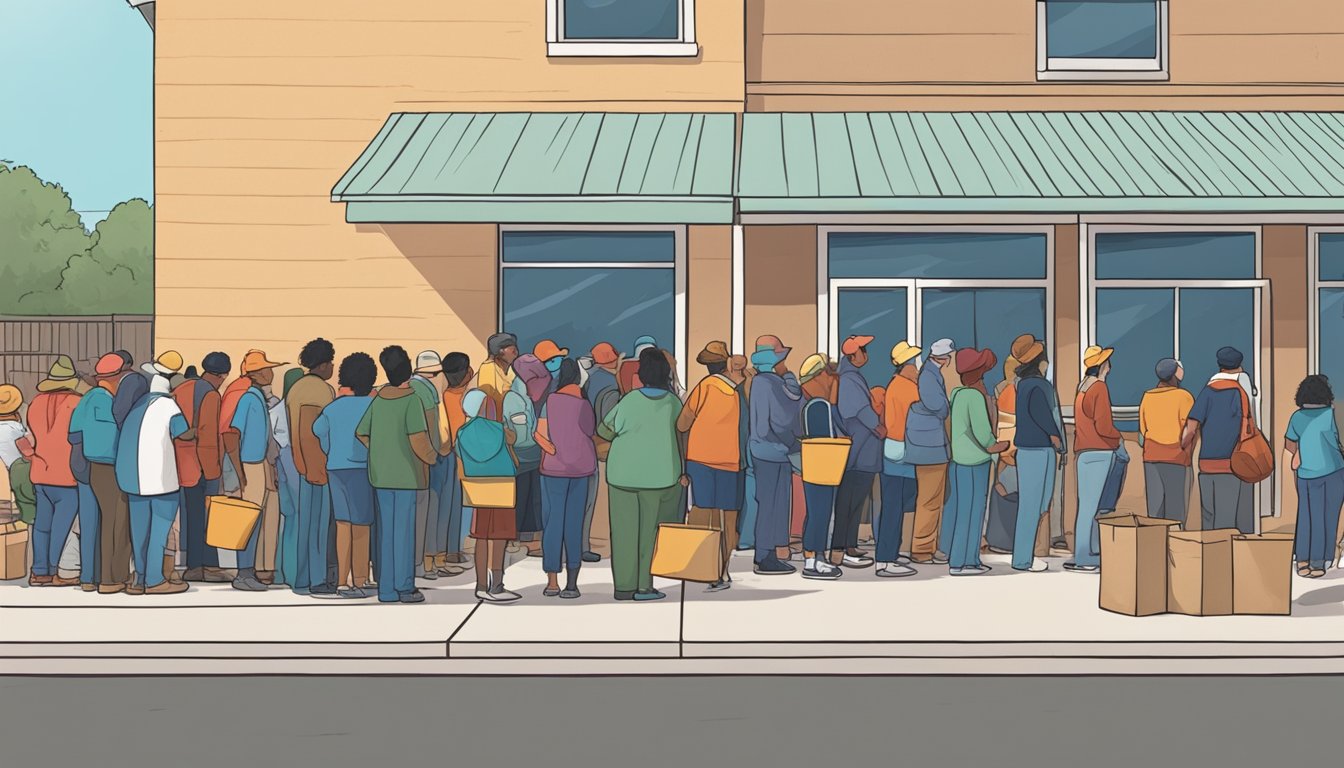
x=365 y=488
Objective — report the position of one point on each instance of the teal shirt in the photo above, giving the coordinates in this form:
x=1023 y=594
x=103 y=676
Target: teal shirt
x=1317 y=438
x=93 y=418
x=644 y=452
x=972 y=434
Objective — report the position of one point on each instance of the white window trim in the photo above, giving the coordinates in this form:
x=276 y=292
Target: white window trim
x=684 y=46
x=1157 y=68
x=678 y=266
x=1314 y=285
x=826 y=286
x=1087 y=235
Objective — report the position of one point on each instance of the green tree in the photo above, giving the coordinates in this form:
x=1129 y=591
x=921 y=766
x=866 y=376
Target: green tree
x=50 y=265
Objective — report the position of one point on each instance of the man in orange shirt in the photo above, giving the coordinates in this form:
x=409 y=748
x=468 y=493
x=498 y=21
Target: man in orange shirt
x=53 y=481
x=712 y=420
x=898 y=478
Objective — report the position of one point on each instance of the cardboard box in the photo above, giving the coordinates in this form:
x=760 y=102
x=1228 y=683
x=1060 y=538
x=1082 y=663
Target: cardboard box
x=1262 y=574
x=1199 y=572
x=1134 y=564
x=14 y=555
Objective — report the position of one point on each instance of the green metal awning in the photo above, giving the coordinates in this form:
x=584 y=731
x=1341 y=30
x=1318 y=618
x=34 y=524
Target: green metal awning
x=1058 y=162
x=549 y=168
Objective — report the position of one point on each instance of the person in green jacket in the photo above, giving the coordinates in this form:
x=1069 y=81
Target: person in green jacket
x=644 y=474
x=974 y=446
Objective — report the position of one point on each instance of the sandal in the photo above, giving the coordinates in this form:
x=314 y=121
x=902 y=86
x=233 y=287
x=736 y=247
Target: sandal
x=1316 y=574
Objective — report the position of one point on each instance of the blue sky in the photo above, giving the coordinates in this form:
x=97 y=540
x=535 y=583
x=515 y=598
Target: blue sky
x=76 y=79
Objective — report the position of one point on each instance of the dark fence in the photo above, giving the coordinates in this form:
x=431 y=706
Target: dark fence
x=31 y=344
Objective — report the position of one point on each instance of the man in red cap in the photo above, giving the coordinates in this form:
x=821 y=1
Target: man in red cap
x=105 y=534
x=854 y=406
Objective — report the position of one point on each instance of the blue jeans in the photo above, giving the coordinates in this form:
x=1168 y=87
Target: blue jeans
x=453 y=498
x=971 y=487
x=151 y=520
x=820 y=502
x=774 y=501
x=193 y=524
x=314 y=530
x=1093 y=469
x=287 y=483
x=898 y=494
x=88 y=535
x=1035 y=484
x=563 y=503
x=746 y=522
x=396 y=543
x=1319 y=500
x=949 y=510
x=57 y=507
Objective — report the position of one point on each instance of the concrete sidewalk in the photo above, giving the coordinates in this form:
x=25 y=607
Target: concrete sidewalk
x=1000 y=623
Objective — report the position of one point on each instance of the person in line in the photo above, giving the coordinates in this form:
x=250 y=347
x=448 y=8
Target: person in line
x=1163 y=412
x=820 y=387
x=348 y=472
x=926 y=448
x=251 y=425
x=1217 y=420
x=396 y=433
x=974 y=446
x=432 y=504
x=130 y=388
x=565 y=432
x=644 y=474
x=496 y=376
x=94 y=428
x=1096 y=444
x=286 y=485
x=309 y=395
x=627 y=373
x=776 y=404
x=17 y=467
x=860 y=421
x=199 y=459
x=457 y=375
x=146 y=471
x=715 y=425
x=603 y=392
x=1040 y=446
x=483 y=452
x=521 y=405
x=1313 y=441
x=897 y=481
x=54 y=484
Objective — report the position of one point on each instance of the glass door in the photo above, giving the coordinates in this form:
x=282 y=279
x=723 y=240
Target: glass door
x=981 y=318
x=883 y=309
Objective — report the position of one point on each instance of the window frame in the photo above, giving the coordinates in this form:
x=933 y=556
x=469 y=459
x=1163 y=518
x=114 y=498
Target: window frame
x=677 y=265
x=828 y=287
x=1314 y=286
x=684 y=46
x=1059 y=68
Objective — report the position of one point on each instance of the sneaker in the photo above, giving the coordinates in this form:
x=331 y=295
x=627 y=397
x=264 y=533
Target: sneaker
x=352 y=593
x=111 y=589
x=414 y=596
x=455 y=558
x=194 y=574
x=862 y=561
x=167 y=588
x=430 y=575
x=591 y=557
x=570 y=593
x=771 y=567
x=1072 y=566
x=895 y=571
x=135 y=588
x=719 y=586
x=982 y=568
x=822 y=571
x=968 y=571
x=450 y=570
x=505 y=595
x=624 y=596
x=248 y=583
x=903 y=560
x=323 y=592
x=652 y=594
x=215 y=576
x=1037 y=566
x=940 y=558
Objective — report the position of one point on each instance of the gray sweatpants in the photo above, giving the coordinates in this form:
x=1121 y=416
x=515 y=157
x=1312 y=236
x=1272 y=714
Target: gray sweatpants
x=1226 y=502
x=1167 y=487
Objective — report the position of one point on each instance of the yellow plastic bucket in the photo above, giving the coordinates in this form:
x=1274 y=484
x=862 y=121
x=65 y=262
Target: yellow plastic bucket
x=229 y=522
x=824 y=459
x=488 y=492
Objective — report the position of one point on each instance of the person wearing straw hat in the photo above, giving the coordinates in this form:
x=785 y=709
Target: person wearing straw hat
x=1096 y=442
x=820 y=385
x=1040 y=443
x=776 y=405
x=926 y=449
x=858 y=419
x=146 y=469
x=53 y=479
x=15 y=465
x=714 y=422
x=249 y=422
x=897 y=481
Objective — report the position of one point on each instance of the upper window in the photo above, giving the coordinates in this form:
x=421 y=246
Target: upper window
x=1175 y=256
x=987 y=255
x=621 y=28
x=1101 y=39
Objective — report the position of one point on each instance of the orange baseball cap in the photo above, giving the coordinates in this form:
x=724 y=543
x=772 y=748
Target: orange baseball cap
x=604 y=353
x=548 y=350
x=854 y=343
x=255 y=360
x=109 y=365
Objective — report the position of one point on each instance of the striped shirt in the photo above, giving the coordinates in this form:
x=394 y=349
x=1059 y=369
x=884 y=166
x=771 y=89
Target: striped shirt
x=146 y=461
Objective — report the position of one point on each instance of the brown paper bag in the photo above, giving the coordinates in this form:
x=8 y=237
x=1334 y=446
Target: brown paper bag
x=14 y=555
x=688 y=553
x=1134 y=564
x=1262 y=574
x=1199 y=572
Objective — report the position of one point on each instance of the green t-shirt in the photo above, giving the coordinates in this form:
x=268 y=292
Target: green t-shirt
x=972 y=433
x=389 y=424
x=643 y=433
x=429 y=400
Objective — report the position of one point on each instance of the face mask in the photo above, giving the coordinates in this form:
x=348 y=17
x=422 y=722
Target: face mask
x=553 y=364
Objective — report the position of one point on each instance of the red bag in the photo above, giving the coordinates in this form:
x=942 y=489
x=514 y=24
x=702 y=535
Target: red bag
x=1253 y=458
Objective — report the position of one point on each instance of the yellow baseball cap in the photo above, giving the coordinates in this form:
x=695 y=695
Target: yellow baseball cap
x=904 y=352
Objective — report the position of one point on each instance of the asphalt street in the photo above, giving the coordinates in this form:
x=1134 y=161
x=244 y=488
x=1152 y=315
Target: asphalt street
x=661 y=721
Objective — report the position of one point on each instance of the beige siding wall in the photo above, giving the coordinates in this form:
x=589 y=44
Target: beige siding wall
x=709 y=308
x=1284 y=349
x=262 y=105
x=781 y=287
x=981 y=54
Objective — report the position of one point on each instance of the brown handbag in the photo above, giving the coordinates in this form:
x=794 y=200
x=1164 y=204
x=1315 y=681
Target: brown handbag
x=1253 y=458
